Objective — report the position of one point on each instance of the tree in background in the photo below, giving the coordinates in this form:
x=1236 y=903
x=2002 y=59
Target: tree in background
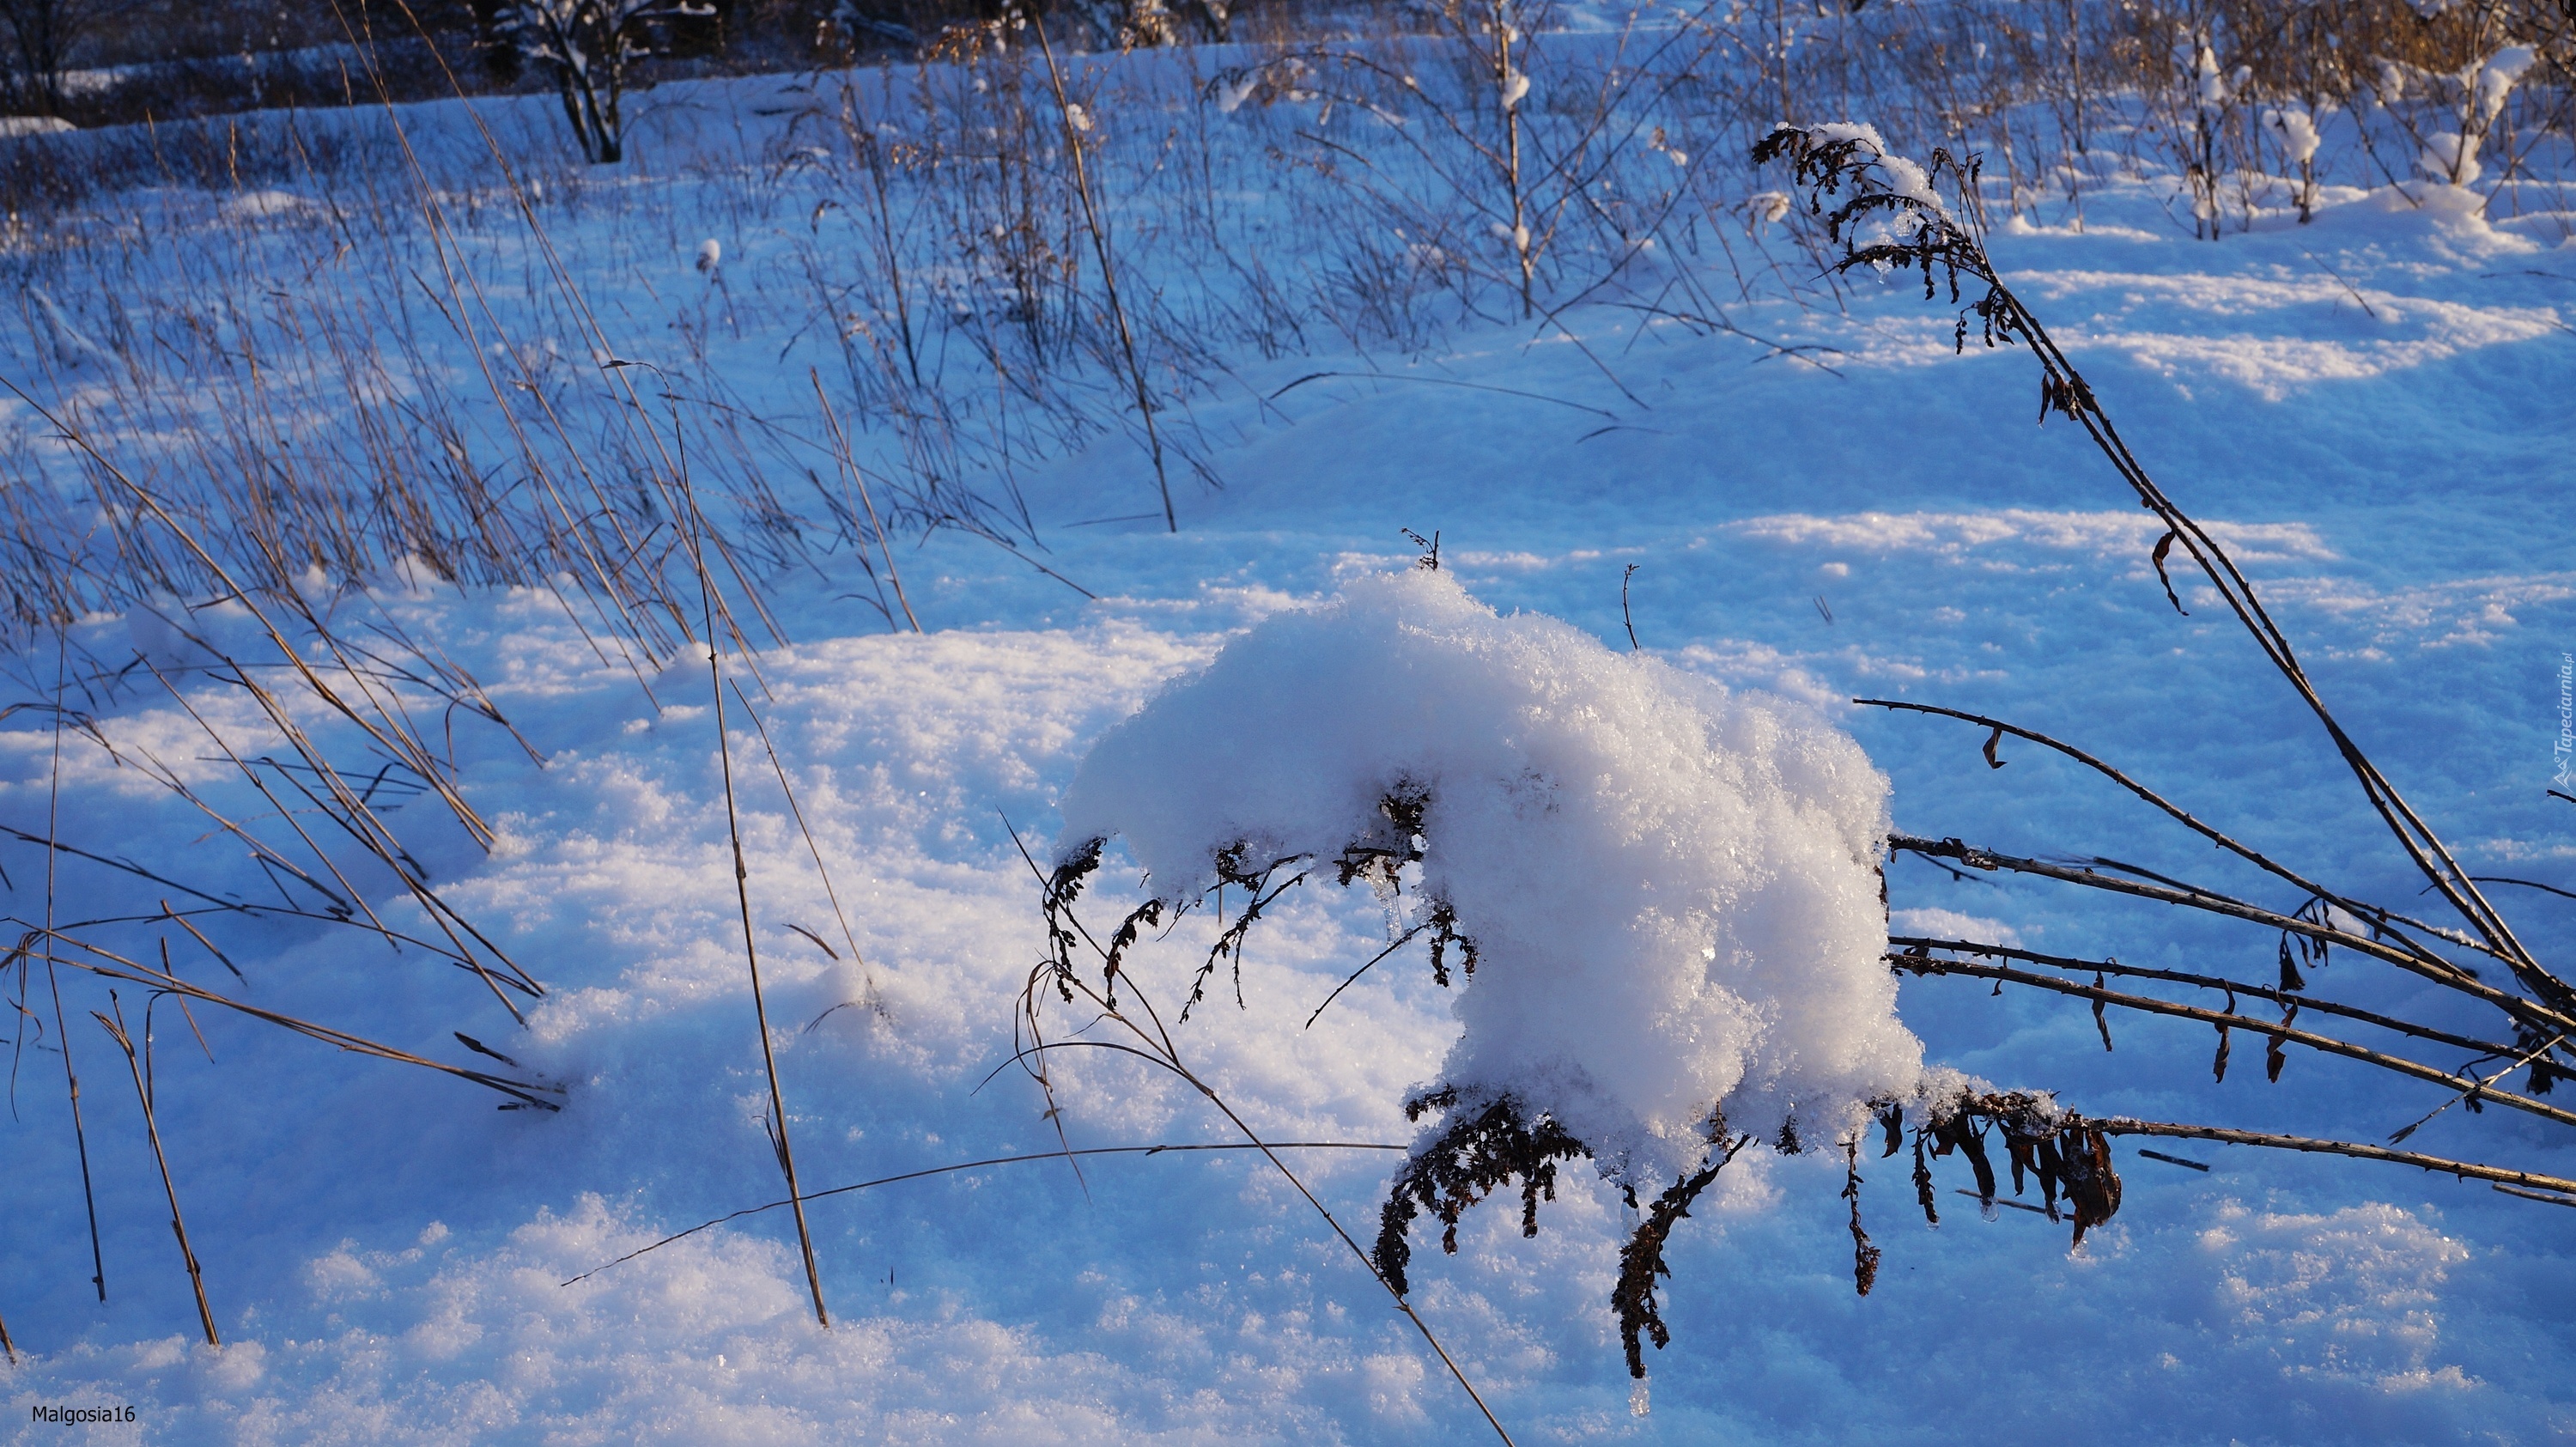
x=41 y=36
x=588 y=48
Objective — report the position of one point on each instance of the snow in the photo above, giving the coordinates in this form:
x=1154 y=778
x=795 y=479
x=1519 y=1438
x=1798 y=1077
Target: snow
x=2298 y=130
x=1903 y=175
x=2371 y=407
x=1672 y=894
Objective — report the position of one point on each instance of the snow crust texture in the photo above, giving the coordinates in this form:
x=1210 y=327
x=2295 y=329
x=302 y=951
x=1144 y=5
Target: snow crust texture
x=1671 y=890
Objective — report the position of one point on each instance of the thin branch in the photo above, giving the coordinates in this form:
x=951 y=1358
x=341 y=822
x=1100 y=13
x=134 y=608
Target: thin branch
x=2176 y=812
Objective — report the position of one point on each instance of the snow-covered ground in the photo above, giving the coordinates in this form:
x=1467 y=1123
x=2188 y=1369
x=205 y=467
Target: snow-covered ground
x=2372 y=409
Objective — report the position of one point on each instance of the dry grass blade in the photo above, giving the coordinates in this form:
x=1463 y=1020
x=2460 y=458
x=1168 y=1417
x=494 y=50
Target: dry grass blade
x=1073 y=127
x=778 y=1136
x=850 y=469
x=53 y=982
x=848 y=936
x=80 y=1133
x=525 y=1095
x=349 y=809
x=143 y=1093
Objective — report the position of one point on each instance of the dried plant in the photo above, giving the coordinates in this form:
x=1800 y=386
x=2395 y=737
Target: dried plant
x=1889 y=215
x=1140 y=1034
x=1490 y=1140
x=1484 y=1148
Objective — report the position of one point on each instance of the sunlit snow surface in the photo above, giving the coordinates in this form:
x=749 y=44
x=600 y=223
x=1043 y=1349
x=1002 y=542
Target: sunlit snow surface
x=383 y=1250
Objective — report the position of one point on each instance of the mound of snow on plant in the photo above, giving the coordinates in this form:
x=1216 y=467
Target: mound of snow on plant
x=1672 y=890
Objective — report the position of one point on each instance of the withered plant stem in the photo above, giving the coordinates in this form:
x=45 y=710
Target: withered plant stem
x=53 y=982
x=927 y=1172
x=848 y=936
x=850 y=469
x=2476 y=1087
x=119 y=967
x=1927 y=965
x=2174 y=811
x=2523 y=1009
x=1092 y=223
x=2465 y=1170
x=751 y=958
x=2208 y=982
x=1504 y=72
x=115 y=1029
x=1942 y=244
x=1155 y=1047
x=2375 y=914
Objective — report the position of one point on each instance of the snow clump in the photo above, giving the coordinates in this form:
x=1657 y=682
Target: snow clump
x=1672 y=891
x=2298 y=132
x=1904 y=177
